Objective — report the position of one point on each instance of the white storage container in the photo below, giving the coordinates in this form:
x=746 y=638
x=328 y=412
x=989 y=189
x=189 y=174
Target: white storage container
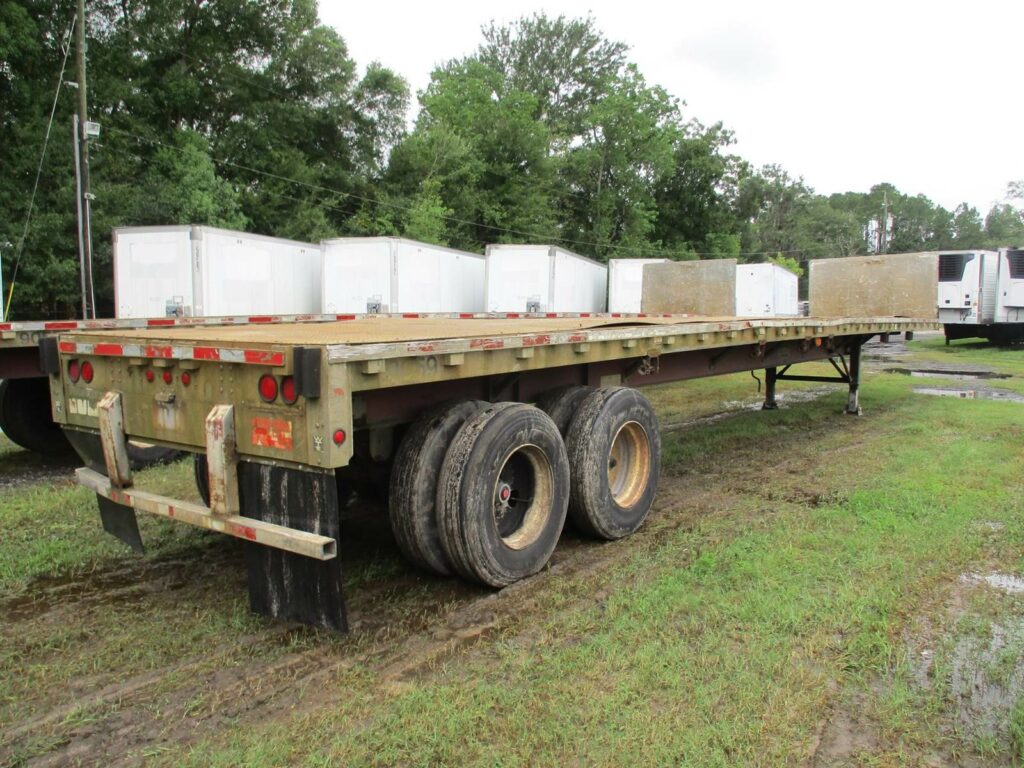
x=389 y=274
x=968 y=287
x=543 y=278
x=198 y=271
x=766 y=290
x=625 y=283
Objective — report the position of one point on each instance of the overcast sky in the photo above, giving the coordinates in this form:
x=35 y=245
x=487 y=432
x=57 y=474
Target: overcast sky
x=926 y=95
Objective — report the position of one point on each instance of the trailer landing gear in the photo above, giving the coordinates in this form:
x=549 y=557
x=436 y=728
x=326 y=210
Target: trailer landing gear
x=847 y=368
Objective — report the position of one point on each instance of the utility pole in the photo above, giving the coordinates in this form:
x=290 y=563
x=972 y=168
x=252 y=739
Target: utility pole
x=884 y=240
x=82 y=165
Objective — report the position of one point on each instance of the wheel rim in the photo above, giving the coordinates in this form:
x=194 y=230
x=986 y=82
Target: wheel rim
x=522 y=496
x=629 y=464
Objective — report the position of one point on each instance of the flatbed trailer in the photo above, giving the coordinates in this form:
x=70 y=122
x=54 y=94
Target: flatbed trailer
x=494 y=429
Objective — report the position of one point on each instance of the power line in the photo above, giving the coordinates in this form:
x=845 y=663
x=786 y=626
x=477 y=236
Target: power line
x=19 y=249
x=452 y=219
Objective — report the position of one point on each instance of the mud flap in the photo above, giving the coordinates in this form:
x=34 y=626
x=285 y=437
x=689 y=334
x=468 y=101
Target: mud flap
x=120 y=521
x=283 y=585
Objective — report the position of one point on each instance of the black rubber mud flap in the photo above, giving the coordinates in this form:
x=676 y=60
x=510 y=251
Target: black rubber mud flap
x=120 y=521
x=283 y=585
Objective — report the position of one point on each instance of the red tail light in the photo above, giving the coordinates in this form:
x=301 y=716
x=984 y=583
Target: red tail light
x=339 y=436
x=150 y=375
x=168 y=377
x=87 y=372
x=288 y=392
x=186 y=378
x=74 y=371
x=268 y=388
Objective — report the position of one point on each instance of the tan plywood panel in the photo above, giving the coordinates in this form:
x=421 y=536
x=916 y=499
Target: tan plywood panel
x=690 y=287
x=890 y=285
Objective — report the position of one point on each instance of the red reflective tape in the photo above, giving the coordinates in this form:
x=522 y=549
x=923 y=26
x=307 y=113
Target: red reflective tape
x=486 y=344
x=244 y=531
x=344 y=317
x=205 y=353
x=107 y=349
x=165 y=352
x=161 y=321
x=533 y=341
x=420 y=347
x=410 y=315
x=62 y=326
x=465 y=315
x=511 y=315
x=68 y=346
x=268 y=432
x=262 y=319
x=576 y=337
x=264 y=357
x=5 y=326
x=551 y=314
x=584 y=314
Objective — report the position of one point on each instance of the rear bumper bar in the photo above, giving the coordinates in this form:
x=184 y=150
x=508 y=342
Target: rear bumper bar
x=269 y=534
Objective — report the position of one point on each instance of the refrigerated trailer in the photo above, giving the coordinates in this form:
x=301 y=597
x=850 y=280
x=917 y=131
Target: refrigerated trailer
x=198 y=271
x=488 y=431
x=766 y=290
x=543 y=278
x=981 y=294
x=394 y=275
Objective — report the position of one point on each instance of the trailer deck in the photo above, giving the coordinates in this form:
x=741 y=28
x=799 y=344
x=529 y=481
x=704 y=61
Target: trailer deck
x=288 y=414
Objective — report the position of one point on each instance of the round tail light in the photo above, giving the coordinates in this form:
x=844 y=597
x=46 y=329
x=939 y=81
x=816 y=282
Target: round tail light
x=288 y=392
x=168 y=377
x=339 y=436
x=186 y=378
x=74 y=371
x=87 y=372
x=150 y=375
x=268 y=388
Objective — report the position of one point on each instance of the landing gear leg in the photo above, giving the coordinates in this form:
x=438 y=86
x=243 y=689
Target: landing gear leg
x=771 y=375
x=853 y=403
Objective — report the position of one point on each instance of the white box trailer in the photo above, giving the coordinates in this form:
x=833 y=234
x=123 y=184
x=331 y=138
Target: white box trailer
x=981 y=294
x=1011 y=286
x=199 y=271
x=625 y=283
x=543 y=278
x=391 y=274
x=766 y=290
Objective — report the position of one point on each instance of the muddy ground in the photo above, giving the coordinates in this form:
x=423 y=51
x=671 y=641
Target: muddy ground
x=403 y=622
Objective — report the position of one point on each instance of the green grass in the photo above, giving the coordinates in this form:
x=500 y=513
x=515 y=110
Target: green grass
x=790 y=555
x=717 y=647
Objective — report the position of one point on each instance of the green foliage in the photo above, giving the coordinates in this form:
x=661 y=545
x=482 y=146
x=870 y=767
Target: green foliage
x=253 y=115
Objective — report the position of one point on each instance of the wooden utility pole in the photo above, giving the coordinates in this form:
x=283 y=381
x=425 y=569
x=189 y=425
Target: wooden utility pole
x=85 y=197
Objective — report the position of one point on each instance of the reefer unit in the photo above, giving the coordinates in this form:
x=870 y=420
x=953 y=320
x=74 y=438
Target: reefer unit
x=625 y=283
x=198 y=271
x=1011 y=285
x=981 y=294
x=389 y=274
x=766 y=290
x=543 y=278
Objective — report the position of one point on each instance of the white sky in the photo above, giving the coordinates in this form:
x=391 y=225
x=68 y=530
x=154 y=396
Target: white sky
x=926 y=95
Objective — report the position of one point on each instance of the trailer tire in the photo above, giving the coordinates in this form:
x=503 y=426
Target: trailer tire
x=142 y=455
x=503 y=492
x=561 y=404
x=412 y=496
x=614 y=448
x=26 y=419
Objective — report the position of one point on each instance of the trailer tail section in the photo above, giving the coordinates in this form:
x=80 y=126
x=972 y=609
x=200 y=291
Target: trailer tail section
x=543 y=278
x=392 y=275
x=625 y=283
x=502 y=428
x=194 y=271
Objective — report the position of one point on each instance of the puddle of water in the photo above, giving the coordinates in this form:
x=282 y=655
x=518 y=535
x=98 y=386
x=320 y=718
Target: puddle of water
x=972 y=394
x=1004 y=582
x=987 y=679
x=940 y=373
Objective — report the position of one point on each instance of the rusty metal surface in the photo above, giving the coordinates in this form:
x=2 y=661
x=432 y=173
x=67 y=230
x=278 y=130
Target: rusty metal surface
x=891 y=285
x=706 y=287
x=112 y=439
x=222 y=460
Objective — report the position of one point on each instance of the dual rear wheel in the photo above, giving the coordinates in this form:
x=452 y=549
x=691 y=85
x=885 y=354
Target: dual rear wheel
x=483 y=490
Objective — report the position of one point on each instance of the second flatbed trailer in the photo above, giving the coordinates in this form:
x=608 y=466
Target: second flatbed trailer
x=494 y=429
